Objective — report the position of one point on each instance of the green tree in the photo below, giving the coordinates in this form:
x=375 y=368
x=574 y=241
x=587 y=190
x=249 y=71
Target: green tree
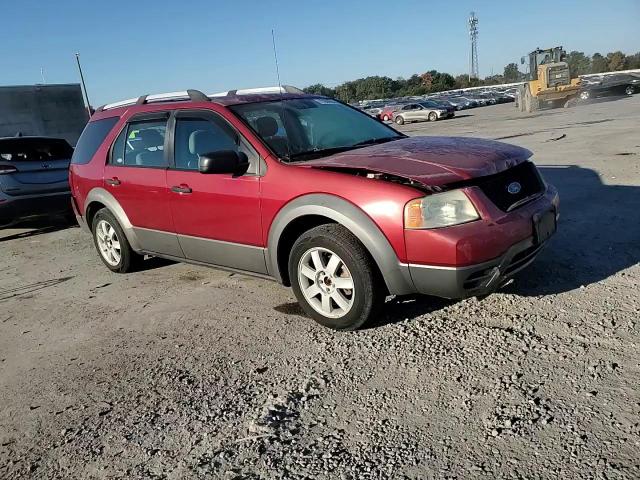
x=579 y=63
x=633 y=61
x=511 y=73
x=320 y=89
x=616 y=61
x=598 y=63
x=494 y=80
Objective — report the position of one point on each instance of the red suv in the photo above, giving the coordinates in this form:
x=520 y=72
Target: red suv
x=311 y=192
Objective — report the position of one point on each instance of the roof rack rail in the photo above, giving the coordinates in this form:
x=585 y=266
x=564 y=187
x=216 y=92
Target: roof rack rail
x=193 y=95
x=197 y=96
x=258 y=91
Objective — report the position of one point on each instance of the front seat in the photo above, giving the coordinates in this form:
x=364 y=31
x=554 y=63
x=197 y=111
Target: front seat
x=268 y=129
x=205 y=141
x=150 y=158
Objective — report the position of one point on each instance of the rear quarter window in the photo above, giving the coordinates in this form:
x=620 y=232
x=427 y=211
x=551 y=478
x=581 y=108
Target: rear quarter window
x=92 y=137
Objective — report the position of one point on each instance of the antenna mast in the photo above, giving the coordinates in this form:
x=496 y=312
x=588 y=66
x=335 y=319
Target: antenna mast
x=84 y=87
x=275 y=56
x=473 y=34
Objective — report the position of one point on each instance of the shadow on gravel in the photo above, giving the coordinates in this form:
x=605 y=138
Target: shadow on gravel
x=37 y=226
x=152 y=263
x=407 y=307
x=598 y=234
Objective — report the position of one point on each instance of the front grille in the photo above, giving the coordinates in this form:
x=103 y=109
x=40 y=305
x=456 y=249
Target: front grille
x=496 y=187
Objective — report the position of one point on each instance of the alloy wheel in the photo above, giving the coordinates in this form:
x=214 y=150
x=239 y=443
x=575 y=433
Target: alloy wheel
x=108 y=243
x=326 y=282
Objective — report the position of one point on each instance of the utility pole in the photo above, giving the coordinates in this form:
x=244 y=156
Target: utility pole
x=473 y=34
x=84 y=87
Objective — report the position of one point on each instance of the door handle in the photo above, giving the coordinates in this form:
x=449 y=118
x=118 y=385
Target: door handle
x=113 y=181
x=182 y=188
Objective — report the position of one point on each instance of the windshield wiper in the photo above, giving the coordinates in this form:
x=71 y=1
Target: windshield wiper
x=317 y=153
x=376 y=141
x=323 y=152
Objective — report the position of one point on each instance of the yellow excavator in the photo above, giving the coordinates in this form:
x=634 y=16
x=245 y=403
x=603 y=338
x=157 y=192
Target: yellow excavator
x=549 y=83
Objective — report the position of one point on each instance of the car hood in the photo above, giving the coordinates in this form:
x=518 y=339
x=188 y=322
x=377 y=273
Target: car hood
x=431 y=161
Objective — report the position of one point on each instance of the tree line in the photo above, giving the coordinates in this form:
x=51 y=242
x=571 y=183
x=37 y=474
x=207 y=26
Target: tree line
x=373 y=87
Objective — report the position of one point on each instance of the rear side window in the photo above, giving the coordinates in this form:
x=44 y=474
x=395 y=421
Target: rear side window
x=92 y=137
x=140 y=144
x=34 y=149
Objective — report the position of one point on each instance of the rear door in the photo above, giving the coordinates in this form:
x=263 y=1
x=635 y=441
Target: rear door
x=34 y=165
x=136 y=175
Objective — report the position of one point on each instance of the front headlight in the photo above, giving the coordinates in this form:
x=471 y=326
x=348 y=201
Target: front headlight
x=439 y=210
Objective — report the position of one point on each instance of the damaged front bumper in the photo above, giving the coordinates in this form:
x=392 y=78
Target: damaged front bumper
x=479 y=279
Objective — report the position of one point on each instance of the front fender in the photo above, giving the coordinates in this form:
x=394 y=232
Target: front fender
x=395 y=274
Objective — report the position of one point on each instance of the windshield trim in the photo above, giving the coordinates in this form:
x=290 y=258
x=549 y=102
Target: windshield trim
x=231 y=108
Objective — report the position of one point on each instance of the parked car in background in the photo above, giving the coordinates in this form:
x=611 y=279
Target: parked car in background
x=460 y=103
x=621 y=84
x=386 y=114
x=372 y=110
x=34 y=178
x=427 y=110
x=311 y=192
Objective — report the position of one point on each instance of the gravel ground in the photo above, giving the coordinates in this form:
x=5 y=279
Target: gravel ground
x=186 y=372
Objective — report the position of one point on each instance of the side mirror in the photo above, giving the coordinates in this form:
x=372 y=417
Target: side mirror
x=224 y=161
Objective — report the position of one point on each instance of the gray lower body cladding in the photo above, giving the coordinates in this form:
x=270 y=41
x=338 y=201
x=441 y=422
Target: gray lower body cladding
x=479 y=279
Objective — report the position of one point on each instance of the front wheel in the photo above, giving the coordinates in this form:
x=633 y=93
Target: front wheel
x=112 y=244
x=334 y=278
x=433 y=116
x=399 y=120
x=584 y=95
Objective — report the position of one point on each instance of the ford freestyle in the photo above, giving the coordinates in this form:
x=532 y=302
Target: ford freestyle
x=310 y=192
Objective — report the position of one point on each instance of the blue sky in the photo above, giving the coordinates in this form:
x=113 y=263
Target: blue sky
x=130 y=48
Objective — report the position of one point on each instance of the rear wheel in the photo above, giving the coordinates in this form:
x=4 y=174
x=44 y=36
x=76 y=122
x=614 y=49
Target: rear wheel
x=629 y=90
x=585 y=95
x=433 y=116
x=399 y=120
x=385 y=118
x=112 y=244
x=334 y=278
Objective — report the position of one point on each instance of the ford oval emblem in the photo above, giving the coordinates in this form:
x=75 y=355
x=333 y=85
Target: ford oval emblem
x=514 y=188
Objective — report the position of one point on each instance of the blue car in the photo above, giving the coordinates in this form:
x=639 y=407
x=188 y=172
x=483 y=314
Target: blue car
x=34 y=178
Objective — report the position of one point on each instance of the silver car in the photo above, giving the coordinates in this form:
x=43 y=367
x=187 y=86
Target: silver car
x=34 y=178
x=423 y=111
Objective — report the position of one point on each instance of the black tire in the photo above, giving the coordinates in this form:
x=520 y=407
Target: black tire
x=385 y=118
x=585 y=95
x=368 y=292
x=630 y=90
x=129 y=260
x=399 y=120
x=433 y=116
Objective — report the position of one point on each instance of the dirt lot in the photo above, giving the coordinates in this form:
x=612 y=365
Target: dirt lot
x=185 y=372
